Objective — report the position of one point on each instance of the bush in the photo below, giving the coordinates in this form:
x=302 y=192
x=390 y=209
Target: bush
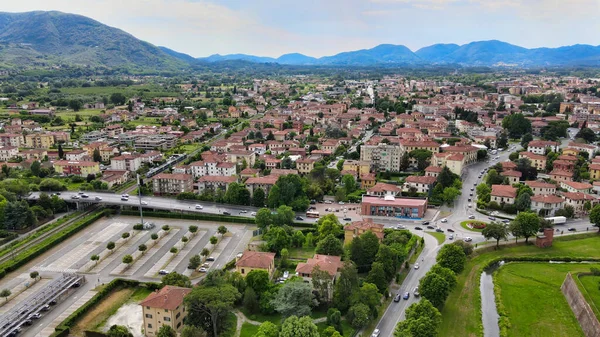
x=138 y=227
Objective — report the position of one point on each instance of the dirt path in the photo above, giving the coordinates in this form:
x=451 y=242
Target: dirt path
x=243 y=319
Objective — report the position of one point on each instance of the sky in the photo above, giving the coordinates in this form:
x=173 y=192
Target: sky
x=326 y=27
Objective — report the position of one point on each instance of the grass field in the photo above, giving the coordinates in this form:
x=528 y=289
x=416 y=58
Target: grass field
x=440 y=237
x=301 y=253
x=588 y=285
x=464 y=224
x=248 y=330
x=461 y=315
x=531 y=297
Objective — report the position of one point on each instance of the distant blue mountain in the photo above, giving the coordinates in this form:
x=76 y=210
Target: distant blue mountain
x=479 y=53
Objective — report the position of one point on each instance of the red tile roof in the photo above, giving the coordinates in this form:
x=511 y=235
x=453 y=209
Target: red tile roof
x=578 y=196
x=428 y=180
x=539 y=184
x=169 y=297
x=577 y=185
x=504 y=191
x=547 y=199
x=260 y=260
x=511 y=173
x=330 y=264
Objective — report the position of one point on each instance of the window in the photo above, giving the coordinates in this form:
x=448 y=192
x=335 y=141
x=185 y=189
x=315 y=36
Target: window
x=167 y=319
x=177 y=316
x=148 y=316
x=166 y=310
x=147 y=307
x=178 y=325
x=149 y=326
x=242 y=270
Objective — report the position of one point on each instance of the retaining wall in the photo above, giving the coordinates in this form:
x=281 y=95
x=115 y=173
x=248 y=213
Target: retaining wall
x=582 y=310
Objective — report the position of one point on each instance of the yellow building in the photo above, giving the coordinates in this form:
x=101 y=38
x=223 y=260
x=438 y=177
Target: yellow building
x=570 y=151
x=78 y=168
x=594 y=171
x=251 y=260
x=359 y=166
x=358 y=228
x=39 y=141
x=304 y=166
x=164 y=307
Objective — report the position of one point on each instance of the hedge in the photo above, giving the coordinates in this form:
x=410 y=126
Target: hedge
x=29 y=254
x=70 y=321
x=203 y=216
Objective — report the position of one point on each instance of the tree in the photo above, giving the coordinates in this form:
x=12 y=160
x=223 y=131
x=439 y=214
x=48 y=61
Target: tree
x=267 y=329
x=359 y=315
x=334 y=319
x=127 y=259
x=205 y=252
x=110 y=246
x=368 y=295
x=363 y=250
x=76 y=105
x=586 y=134
x=173 y=250
x=434 y=288
x=213 y=240
x=35 y=168
x=523 y=202
x=118 y=98
x=258 y=280
x=118 y=331
x=377 y=277
x=5 y=293
x=517 y=125
x=166 y=331
x=298 y=239
x=96 y=155
x=452 y=257
x=95 y=258
x=192 y=331
x=299 y=327
x=250 y=300
x=349 y=183
x=142 y=248
x=526 y=139
x=61 y=152
x=404 y=161
x=388 y=257
x=34 y=275
x=176 y=279
x=154 y=236
x=125 y=235
x=450 y=194
x=222 y=230
x=193 y=229
x=283 y=216
x=422 y=158
x=330 y=245
x=595 y=216
x=329 y=224
x=467 y=247
x=277 y=239
x=258 y=198
x=495 y=230
x=195 y=261
x=446 y=177
x=422 y=319
x=346 y=285
x=502 y=140
x=263 y=218
x=447 y=274
x=294 y=297
x=529 y=224
x=207 y=306
x=330 y=332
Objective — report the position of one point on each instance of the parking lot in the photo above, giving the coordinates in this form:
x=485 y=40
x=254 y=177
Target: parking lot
x=343 y=211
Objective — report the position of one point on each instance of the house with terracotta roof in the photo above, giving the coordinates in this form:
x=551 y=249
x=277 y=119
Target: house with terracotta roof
x=508 y=165
x=503 y=194
x=251 y=260
x=513 y=176
x=422 y=184
x=589 y=148
x=574 y=186
x=594 y=171
x=546 y=204
x=265 y=183
x=357 y=228
x=383 y=189
x=306 y=165
x=167 y=183
x=433 y=171
x=578 y=200
x=537 y=160
x=327 y=263
x=560 y=175
x=164 y=307
x=540 y=187
x=213 y=183
x=563 y=165
x=367 y=181
x=540 y=146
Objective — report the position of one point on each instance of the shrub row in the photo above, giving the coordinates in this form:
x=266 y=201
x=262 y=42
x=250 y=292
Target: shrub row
x=47 y=244
x=203 y=216
x=540 y=259
x=118 y=283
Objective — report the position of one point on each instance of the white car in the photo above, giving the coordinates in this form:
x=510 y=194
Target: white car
x=203 y=270
x=144 y=202
x=444 y=220
x=98 y=198
x=468 y=239
x=198 y=207
x=471 y=217
x=163 y=272
x=417 y=265
x=400 y=226
x=375 y=333
x=243 y=211
x=253 y=213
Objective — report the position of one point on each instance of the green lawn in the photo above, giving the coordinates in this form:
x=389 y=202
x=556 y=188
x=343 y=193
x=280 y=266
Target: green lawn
x=439 y=236
x=532 y=300
x=302 y=253
x=231 y=323
x=588 y=285
x=248 y=330
x=464 y=224
x=140 y=294
x=461 y=315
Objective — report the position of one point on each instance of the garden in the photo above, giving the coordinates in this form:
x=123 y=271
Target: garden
x=473 y=225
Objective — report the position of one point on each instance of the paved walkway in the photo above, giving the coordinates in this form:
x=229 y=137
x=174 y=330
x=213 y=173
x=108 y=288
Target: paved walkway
x=241 y=319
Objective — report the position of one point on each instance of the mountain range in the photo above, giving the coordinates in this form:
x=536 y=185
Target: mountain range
x=44 y=38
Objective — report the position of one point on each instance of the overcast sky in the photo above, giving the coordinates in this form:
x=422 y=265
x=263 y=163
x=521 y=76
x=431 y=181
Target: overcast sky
x=326 y=27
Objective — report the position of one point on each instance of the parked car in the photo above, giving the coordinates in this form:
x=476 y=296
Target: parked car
x=451 y=237
x=416 y=292
x=400 y=226
x=51 y=302
x=36 y=315
x=469 y=200
x=416 y=265
x=210 y=258
x=203 y=270
x=375 y=333
x=28 y=322
x=341 y=202
x=450 y=230
x=425 y=223
x=397 y=297
x=299 y=218
x=572 y=229
x=418 y=228
x=76 y=285
x=444 y=220
x=406 y=295
x=163 y=272
x=328 y=201
x=347 y=219
x=471 y=217
x=226 y=213
x=468 y=239
x=253 y=213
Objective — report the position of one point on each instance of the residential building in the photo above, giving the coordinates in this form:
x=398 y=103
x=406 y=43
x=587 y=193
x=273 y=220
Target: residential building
x=574 y=186
x=503 y=194
x=78 y=168
x=589 y=148
x=39 y=140
x=265 y=183
x=540 y=187
x=367 y=181
x=382 y=157
x=560 y=175
x=540 y=146
x=76 y=155
x=239 y=157
x=357 y=228
x=546 y=204
x=326 y=263
x=212 y=167
x=213 y=183
x=8 y=152
x=433 y=171
x=389 y=206
x=251 y=260
x=513 y=176
x=167 y=183
x=594 y=171
x=578 y=201
x=537 y=160
x=164 y=307
x=305 y=166
x=422 y=184
x=383 y=189
x=114 y=177
x=357 y=166
x=126 y=162
x=9 y=139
